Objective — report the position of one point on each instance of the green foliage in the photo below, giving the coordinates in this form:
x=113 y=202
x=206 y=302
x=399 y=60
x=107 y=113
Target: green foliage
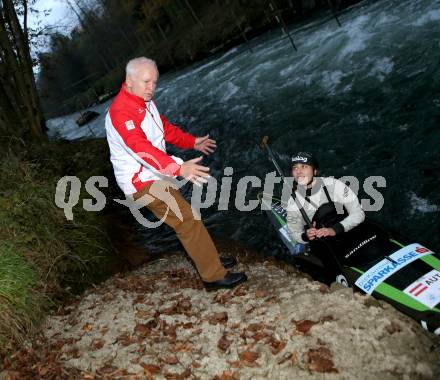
x=20 y=304
x=43 y=256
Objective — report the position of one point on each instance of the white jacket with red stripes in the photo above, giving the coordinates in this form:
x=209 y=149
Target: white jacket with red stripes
x=136 y=135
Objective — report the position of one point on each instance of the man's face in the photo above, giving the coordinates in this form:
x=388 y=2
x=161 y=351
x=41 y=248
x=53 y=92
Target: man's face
x=303 y=174
x=143 y=82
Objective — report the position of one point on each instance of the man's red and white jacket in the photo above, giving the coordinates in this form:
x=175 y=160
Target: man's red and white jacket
x=136 y=135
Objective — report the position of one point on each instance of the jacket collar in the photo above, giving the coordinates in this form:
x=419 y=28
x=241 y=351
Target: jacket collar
x=134 y=98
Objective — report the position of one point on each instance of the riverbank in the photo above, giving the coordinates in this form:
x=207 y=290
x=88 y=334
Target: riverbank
x=157 y=322
x=45 y=258
x=80 y=304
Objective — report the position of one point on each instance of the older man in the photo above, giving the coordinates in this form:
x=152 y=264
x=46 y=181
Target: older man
x=137 y=135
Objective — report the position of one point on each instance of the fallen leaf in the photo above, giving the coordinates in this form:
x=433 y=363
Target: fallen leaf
x=183 y=347
x=108 y=370
x=87 y=327
x=142 y=329
x=293 y=359
x=240 y=291
x=226 y=375
x=256 y=327
x=234 y=364
x=224 y=343
x=216 y=318
x=249 y=356
x=304 y=326
x=170 y=331
x=185 y=304
x=74 y=352
x=277 y=346
x=324 y=289
x=326 y=318
x=197 y=332
x=170 y=310
x=393 y=327
x=289 y=356
x=143 y=314
x=320 y=360
x=172 y=359
x=178 y=376
x=126 y=339
x=260 y=293
x=43 y=370
x=260 y=335
x=88 y=376
x=223 y=298
x=152 y=368
x=139 y=299
x=97 y=344
x=250 y=310
x=59 y=344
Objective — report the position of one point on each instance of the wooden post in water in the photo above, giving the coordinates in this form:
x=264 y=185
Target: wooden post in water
x=242 y=32
x=282 y=24
x=334 y=10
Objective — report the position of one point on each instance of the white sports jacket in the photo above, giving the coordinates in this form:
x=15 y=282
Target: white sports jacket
x=136 y=135
x=339 y=193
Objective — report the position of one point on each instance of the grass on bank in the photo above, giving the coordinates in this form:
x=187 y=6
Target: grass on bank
x=43 y=256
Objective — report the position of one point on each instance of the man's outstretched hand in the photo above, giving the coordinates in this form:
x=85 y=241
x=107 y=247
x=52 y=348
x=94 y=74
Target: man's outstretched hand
x=194 y=172
x=205 y=145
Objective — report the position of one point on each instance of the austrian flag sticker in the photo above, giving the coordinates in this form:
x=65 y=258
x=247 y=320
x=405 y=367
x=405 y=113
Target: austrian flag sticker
x=129 y=124
x=426 y=289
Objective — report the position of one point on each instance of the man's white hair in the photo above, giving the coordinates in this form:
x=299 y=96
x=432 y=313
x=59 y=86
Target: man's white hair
x=134 y=64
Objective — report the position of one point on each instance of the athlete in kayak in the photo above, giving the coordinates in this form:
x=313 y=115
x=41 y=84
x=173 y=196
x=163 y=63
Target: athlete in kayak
x=137 y=135
x=331 y=205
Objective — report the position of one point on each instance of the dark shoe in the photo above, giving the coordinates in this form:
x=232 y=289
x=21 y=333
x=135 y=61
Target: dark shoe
x=229 y=281
x=228 y=262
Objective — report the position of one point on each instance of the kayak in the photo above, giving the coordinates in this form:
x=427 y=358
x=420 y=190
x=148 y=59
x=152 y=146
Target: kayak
x=371 y=260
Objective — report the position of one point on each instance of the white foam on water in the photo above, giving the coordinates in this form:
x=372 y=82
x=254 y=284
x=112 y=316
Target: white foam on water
x=347 y=88
x=228 y=90
x=193 y=71
x=358 y=36
x=331 y=79
x=362 y=118
x=218 y=71
x=421 y=205
x=431 y=16
x=382 y=68
x=403 y=127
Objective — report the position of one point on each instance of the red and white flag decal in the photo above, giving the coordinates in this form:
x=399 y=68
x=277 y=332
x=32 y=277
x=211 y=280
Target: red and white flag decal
x=419 y=288
x=426 y=289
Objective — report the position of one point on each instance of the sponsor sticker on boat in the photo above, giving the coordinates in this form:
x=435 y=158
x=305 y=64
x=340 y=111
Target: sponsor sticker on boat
x=285 y=232
x=426 y=289
x=390 y=265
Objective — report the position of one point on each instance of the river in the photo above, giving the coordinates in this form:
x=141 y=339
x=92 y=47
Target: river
x=364 y=98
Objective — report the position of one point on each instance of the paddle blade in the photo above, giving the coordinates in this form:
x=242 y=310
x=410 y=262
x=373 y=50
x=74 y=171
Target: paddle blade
x=264 y=142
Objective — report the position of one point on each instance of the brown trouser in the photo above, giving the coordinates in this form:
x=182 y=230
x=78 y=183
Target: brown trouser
x=166 y=201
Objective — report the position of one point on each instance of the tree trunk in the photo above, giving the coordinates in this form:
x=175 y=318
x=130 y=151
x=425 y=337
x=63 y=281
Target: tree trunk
x=18 y=63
